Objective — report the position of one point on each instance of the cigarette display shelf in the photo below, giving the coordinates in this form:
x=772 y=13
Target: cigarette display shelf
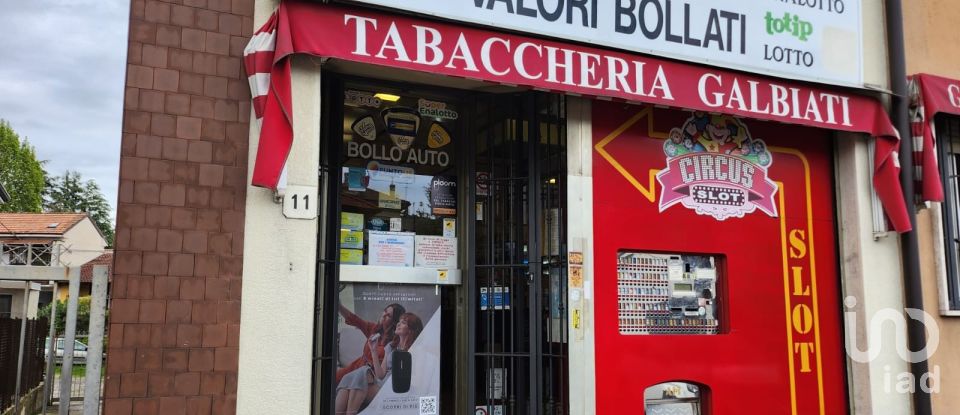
x=649 y=302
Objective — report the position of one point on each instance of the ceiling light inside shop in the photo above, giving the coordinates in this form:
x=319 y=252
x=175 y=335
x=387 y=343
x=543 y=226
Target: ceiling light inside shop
x=387 y=97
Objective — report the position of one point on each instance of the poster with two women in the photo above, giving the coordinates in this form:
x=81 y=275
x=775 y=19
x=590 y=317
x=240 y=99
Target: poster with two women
x=389 y=350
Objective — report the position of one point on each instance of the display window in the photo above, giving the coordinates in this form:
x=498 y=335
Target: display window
x=398 y=189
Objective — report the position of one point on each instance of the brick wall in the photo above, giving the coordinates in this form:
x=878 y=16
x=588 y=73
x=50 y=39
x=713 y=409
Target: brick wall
x=175 y=311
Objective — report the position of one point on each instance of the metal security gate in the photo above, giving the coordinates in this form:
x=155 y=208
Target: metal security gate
x=518 y=287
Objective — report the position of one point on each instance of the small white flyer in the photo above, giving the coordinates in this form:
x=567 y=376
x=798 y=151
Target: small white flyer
x=396 y=224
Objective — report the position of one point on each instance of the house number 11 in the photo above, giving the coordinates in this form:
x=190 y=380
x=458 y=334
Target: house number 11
x=299 y=202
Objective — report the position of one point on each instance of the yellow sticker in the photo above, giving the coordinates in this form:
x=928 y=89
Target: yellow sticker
x=442 y=275
x=351 y=256
x=438 y=136
x=576 y=318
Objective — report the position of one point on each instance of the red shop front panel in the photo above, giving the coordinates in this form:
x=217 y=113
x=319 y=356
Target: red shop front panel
x=755 y=201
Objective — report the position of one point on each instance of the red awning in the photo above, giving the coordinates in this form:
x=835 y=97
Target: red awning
x=929 y=95
x=359 y=35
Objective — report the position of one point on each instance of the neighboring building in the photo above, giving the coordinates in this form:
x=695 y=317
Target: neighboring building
x=49 y=239
x=578 y=224
x=86 y=278
x=86 y=274
x=933 y=57
x=44 y=240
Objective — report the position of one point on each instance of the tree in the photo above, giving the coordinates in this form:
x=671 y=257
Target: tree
x=21 y=174
x=83 y=314
x=69 y=193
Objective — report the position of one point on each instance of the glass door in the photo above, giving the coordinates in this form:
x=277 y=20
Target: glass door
x=390 y=248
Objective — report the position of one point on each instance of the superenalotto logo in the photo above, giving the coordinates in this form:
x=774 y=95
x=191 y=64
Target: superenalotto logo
x=717 y=169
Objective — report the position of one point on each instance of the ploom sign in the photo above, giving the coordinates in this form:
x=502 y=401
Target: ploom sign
x=816 y=40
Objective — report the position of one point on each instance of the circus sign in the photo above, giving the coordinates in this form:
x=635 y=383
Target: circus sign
x=717 y=169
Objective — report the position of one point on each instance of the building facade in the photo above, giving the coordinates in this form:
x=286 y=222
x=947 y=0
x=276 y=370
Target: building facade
x=930 y=51
x=498 y=208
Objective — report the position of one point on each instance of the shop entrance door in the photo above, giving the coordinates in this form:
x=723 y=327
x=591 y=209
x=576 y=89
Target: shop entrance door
x=517 y=288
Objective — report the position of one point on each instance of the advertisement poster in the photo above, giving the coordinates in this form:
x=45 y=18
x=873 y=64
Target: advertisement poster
x=443 y=195
x=391 y=249
x=389 y=350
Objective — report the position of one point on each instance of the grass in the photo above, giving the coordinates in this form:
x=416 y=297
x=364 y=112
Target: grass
x=79 y=371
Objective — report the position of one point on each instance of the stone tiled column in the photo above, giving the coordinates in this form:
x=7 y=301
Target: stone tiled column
x=175 y=311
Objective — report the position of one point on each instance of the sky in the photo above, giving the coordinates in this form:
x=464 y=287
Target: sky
x=62 y=75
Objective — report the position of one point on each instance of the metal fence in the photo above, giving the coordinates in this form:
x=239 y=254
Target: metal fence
x=33 y=357
x=78 y=380
x=77 y=388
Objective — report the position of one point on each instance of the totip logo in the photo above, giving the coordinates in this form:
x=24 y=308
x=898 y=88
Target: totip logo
x=790 y=24
x=717 y=169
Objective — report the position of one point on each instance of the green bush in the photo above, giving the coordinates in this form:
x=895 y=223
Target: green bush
x=83 y=315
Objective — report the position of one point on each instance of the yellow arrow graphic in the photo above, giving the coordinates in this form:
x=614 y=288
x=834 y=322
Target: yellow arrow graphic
x=650 y=190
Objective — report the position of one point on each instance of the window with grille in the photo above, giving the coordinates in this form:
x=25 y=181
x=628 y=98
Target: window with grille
x=27 y=254
x=948 y=142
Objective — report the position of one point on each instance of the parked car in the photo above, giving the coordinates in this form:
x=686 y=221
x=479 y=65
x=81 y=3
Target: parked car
x=79 y=350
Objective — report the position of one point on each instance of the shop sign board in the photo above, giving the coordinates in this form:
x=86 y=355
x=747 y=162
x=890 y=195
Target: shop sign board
x=814 y=40
x=373 y=37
